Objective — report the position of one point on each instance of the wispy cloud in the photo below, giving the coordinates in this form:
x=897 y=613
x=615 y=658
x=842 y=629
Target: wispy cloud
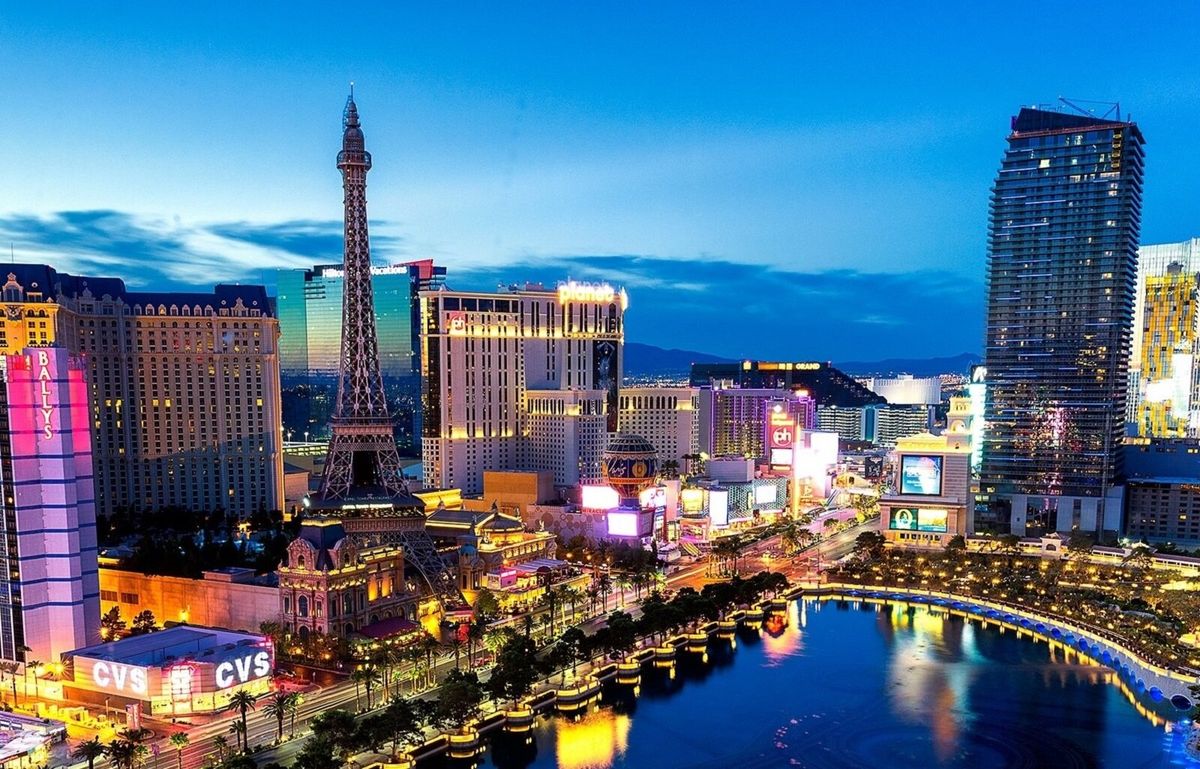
x=739 y=310
x=703 y=302
x=148 y=251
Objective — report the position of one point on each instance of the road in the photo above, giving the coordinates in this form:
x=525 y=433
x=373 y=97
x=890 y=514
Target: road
x=263 y=729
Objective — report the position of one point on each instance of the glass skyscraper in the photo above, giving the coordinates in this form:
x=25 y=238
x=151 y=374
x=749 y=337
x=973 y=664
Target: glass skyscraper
x=1062 y=266
x=309 y=307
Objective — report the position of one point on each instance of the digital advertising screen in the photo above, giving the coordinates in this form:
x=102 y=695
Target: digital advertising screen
x=931 y=519
x=692 y=500
x=781 y=457
x=718 y=508
x=764 y=494
x=904 y=519
x=599 y=498
x=921 y=474
x=622 y=524
x=653 y=498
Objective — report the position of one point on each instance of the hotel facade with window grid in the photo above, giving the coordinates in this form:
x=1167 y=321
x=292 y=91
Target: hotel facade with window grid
x=183 y=387
x=1062 y=268
x=524 y=379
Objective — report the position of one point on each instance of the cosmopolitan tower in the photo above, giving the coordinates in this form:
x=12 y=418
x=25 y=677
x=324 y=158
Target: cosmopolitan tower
x=362 y=484
x=1062 y=264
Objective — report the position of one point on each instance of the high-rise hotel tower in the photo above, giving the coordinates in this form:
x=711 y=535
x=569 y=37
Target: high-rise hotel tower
x=1062 y=264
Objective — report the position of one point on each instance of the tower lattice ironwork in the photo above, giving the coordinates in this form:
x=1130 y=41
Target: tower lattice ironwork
x=362 y=450
x=362 y=481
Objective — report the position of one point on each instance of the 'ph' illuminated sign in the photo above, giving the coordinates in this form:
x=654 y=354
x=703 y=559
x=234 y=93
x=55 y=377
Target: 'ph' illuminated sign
x=243 y=669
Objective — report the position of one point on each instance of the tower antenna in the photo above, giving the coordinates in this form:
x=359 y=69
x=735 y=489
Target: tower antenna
x=1111 y=108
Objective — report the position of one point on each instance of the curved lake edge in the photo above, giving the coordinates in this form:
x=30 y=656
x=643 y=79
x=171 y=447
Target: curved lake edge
x=1144 y=677
x=1140 y=677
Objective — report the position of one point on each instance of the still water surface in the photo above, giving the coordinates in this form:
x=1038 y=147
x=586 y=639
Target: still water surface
x=849 y=685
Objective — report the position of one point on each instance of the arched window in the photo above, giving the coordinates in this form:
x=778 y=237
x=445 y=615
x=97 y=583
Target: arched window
x=302 y=606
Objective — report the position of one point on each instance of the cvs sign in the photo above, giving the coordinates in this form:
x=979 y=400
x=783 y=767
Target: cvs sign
x=119 y=677
x=243 y=669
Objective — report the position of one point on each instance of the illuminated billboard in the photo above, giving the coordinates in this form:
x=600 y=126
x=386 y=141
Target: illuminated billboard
x=781 y=435
x=692 y=500
x=921 y=474
x=930 y=519
x=653 y=498
x=904 y=519
x=622 y=523
x=599 y=498
x=765 y=494
x=781 y=457
x=718 y=508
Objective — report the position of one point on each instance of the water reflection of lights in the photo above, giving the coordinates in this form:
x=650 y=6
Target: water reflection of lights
x=928 y=684
x=919 y=680
x=593 y=742
x=782 y=636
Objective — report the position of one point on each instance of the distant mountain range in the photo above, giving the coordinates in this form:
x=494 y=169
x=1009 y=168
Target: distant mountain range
x=646 y=360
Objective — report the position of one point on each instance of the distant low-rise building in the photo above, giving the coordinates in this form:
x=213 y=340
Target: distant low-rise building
x=907 y=390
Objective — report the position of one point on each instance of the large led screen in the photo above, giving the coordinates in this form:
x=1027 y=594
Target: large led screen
x=599 y=498
x=919 y=519
x=622 y=524
x=904 y=519
x=921 y=474
x=718 y=508
x=931 y=519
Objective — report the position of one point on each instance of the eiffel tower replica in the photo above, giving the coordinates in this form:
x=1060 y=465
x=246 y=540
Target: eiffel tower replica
x=362 y=484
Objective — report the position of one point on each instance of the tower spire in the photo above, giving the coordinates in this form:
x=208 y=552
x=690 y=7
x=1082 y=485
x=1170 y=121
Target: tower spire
x=362 y=459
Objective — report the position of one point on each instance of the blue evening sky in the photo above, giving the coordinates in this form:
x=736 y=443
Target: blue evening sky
x=803 y=180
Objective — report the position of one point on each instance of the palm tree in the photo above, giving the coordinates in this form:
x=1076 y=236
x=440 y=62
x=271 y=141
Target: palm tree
x=238 y=730
x=180 y=741
x=623 y=584
x=370 y=678
x=475 y=633
x=221 y=743
x=456 y=645
x=123 y=754
x=551 y=599
x=32 y=667
x=242 y=701
x=89 y=751
x=278 y=707
x=10 y=669
x=430 y=646
x=356 y=676
x=604 y=585
x=574 y=596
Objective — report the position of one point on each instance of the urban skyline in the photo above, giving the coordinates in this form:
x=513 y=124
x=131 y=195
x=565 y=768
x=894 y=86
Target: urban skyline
x=809 y=185
x=416 y=507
